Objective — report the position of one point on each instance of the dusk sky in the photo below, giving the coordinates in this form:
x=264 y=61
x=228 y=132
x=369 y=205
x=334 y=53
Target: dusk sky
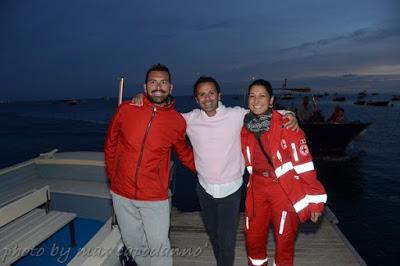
x=55 y=49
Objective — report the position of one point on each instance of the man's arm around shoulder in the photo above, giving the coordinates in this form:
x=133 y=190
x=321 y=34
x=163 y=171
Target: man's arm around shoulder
x=183 y=150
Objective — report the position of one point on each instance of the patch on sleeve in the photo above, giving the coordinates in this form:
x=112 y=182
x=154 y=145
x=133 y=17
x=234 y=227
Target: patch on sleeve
x=303 y=141
x=304 y=150
x=283 y=144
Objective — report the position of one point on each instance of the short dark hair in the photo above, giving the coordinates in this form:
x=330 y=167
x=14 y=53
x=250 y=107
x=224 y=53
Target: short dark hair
x=158 y=67
x=204 y=79
x=260 y=82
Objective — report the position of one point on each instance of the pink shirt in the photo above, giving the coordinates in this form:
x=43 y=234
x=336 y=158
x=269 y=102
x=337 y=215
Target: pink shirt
x=216 y=145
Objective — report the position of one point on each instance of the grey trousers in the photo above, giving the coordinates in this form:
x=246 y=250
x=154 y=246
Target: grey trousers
x=144 y=229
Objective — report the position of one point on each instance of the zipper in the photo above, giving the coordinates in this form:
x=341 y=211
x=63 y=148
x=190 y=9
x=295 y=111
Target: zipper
x=159 y=177
x=142 y=149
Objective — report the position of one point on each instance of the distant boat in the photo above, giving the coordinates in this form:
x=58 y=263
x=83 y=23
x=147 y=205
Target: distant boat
x=72 y=101
x=360 y=97
x=362 y=94
x=360 y=102
x=331 y=138
x=320 y=95
x=286 y=96
x=305 y=89
x=378 y=103
x=396 y=98
x=339 y=99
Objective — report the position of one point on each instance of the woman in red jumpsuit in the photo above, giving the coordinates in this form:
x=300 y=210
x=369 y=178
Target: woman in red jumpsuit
x=283 y=189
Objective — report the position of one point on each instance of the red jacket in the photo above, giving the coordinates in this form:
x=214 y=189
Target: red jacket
x=292 y=163
x=138 y=147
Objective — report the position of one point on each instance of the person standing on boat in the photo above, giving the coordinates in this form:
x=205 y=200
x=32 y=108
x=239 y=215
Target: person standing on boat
x=338 y=116
x=214 y=132
x=305 y=112
x=137 y=155
x=282 y=189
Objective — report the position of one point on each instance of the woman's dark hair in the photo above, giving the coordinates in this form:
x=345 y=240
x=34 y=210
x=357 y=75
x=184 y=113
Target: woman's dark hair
x=204 y=79
x=260 y=82
x=158 y=67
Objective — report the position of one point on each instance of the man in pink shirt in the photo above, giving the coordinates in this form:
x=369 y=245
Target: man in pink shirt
x=214 y=131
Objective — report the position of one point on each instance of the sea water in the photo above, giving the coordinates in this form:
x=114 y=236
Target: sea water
x=363 y=184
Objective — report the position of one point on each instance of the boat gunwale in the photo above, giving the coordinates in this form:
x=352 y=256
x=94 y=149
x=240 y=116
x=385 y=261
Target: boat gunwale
x=16 y=166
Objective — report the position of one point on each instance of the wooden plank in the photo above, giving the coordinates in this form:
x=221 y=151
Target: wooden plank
x=24 y=204
x=319 y=244
x=76 y=187
x=63 y=186
x=28 y=231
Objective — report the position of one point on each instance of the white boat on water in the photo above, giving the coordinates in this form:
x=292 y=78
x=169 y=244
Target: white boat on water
x=78 y=186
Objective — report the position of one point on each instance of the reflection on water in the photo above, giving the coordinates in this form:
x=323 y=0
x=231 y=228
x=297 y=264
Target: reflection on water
x=342 y=177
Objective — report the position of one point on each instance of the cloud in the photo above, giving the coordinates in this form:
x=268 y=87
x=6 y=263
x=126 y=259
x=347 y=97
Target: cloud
x=359 y=35
x=381 y=70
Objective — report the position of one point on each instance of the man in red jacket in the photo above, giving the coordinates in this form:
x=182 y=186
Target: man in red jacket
x=137 y=156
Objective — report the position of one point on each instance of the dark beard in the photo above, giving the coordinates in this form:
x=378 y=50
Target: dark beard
x=158 y=100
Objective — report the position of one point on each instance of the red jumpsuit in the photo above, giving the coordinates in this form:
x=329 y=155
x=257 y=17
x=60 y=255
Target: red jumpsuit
x=283 y=193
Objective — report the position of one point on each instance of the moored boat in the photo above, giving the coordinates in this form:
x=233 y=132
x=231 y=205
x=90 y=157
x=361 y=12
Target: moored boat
x=286 y=97
x=396 y=98
x=72 y=101
x=378 y=103
x=77 y=184
x=339 y=99
x=331 y=138
x=362 y=94
x=359 y=102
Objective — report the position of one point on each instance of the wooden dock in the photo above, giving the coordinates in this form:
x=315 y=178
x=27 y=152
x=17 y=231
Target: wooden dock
x=321 y=244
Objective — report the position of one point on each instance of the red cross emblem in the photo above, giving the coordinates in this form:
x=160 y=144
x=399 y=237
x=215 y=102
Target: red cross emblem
x=304 y=149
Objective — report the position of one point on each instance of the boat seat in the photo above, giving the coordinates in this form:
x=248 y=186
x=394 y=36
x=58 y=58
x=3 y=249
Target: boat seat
x=26 y=221
x=102 y=249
